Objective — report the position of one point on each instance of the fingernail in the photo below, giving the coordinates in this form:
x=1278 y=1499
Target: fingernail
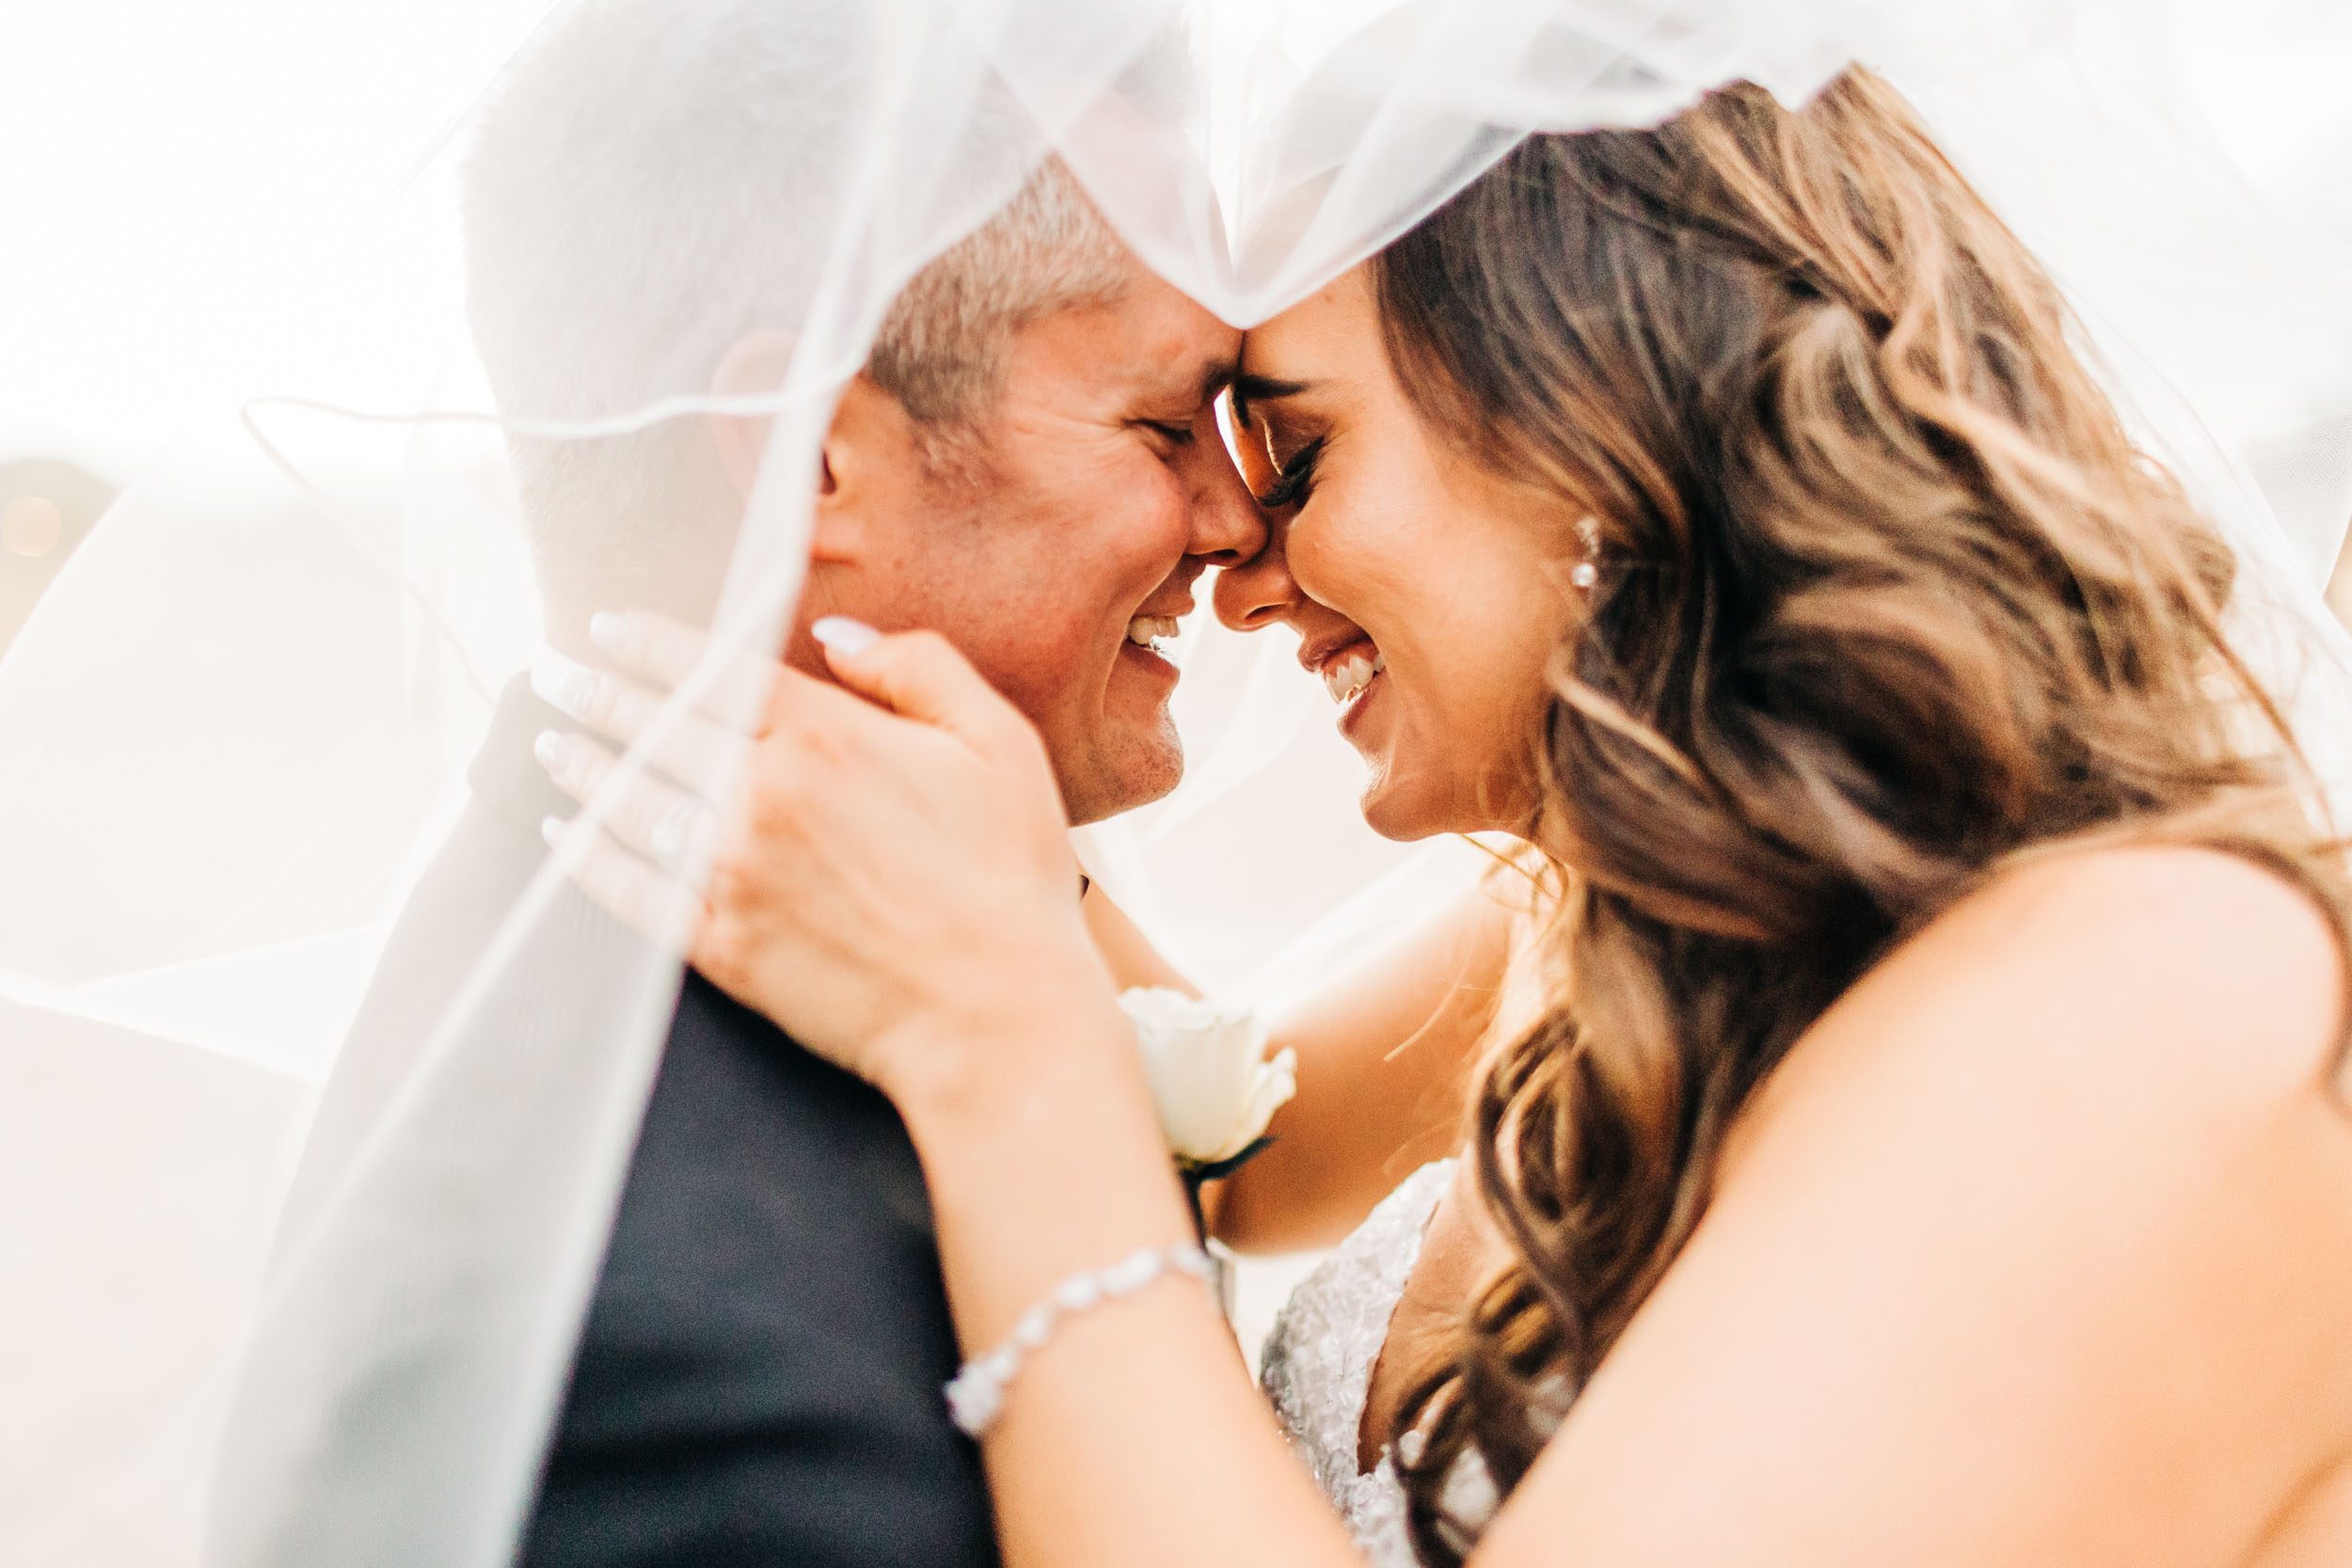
x=844 y=635
x=553 y=749
x=562 y=684
x=609 y=629
x=551 y=829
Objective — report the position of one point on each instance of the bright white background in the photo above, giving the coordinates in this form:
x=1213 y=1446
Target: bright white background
x=182 y=182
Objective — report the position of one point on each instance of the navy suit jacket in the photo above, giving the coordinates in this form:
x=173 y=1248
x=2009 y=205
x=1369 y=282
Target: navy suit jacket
x=759 y=1378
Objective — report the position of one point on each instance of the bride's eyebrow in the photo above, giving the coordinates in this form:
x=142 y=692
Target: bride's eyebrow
x=1249 y=389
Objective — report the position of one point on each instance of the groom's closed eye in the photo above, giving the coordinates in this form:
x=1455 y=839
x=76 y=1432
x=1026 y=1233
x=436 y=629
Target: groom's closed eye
x=1171 y=411
x=1177 y=433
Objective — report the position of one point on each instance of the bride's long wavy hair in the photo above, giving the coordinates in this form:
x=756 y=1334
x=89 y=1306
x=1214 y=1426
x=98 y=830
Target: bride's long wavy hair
x=1886 y=600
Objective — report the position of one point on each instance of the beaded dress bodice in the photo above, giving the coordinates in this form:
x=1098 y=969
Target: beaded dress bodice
x=1319 y=1360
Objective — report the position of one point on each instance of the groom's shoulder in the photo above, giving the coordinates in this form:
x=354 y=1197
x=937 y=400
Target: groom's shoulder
x=746 y=1128
x=771 y=1300
x=766 y=1186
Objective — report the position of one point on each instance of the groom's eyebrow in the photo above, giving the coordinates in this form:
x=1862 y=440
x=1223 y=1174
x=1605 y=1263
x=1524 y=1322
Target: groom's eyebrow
x=1215 y=375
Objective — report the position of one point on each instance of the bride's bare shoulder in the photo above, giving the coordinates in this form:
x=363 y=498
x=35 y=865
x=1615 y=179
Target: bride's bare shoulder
x=2051 y=1202
x=2201 y=987
x=2177 y=963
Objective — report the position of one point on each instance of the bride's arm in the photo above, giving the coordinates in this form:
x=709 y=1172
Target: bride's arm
x=1384 y=1051
x=1127 y=953
x=2037 y=1253
x=2035 y=1249
x=1134 y=1438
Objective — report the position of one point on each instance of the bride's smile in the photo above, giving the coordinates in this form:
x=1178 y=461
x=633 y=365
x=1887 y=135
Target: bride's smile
x=1347 y=673
x=1428 y=593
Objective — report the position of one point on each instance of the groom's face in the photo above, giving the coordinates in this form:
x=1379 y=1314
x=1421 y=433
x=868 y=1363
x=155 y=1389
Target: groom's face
x=1096 y=493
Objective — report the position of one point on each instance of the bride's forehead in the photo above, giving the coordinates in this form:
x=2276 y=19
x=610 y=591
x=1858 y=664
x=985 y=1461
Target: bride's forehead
x=1328 y=324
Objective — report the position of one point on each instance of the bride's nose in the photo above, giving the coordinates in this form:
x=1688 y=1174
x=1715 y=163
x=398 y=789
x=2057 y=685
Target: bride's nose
x=1259 y=592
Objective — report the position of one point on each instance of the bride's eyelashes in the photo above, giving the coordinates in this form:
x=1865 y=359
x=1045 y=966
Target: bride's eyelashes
x=1291 y=485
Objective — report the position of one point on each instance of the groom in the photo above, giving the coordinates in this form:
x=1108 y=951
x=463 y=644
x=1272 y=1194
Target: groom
x=761 y=1378
x=1028 y=464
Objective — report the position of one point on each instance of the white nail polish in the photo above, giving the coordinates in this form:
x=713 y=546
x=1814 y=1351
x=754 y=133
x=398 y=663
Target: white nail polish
x=551 y=829
x=608 y=630
x=562 y=684
x=552 y=749
x=844 y=635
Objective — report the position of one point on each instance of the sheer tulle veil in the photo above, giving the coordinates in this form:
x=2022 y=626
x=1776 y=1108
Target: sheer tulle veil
x=239 y=722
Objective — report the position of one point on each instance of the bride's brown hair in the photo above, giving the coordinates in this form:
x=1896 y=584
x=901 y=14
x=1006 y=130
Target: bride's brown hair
x=1887 y=600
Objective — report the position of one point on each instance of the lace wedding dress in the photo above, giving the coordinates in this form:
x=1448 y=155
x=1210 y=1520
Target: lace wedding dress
x=1319 y=1360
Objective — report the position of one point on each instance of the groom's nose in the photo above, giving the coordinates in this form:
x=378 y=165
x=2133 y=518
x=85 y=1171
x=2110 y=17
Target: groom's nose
x=1228 y=525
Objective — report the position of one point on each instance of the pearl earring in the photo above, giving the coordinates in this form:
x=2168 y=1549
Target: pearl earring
x=1585 y=573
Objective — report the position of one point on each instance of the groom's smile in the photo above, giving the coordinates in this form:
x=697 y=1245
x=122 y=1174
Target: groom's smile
x=1069 y=543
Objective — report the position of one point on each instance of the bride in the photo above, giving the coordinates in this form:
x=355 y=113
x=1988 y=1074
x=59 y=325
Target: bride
x=1926 y=1143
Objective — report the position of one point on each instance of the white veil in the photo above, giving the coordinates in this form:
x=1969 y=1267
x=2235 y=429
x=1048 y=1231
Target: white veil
x=239 y=723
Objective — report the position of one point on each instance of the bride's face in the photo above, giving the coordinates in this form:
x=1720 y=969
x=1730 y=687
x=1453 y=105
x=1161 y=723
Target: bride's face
x=1390 y=552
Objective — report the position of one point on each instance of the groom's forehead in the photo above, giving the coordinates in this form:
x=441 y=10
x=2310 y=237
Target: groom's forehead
x=1149 y=351
x=1174 y=348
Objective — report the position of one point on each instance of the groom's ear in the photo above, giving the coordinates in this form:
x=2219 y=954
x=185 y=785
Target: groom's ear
x=864 y=453
x=865 y=482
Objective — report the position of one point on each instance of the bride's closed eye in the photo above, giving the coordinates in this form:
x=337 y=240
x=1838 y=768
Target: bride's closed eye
x=1295 y=479
x=1256 y=443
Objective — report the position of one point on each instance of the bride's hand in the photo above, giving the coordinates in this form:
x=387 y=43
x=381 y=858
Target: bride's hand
x=893 y=884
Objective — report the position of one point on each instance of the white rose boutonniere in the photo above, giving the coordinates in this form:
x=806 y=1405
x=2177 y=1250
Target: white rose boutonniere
x=1210 y=1079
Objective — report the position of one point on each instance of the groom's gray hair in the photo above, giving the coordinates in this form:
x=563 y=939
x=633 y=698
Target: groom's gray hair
x=941 y=349
x=650 y=183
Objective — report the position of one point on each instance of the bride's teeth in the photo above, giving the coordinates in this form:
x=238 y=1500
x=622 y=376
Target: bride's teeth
x=1345 y=679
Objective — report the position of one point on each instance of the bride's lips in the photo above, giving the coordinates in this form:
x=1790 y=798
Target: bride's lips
x=1346 y=665
x=1352 y=672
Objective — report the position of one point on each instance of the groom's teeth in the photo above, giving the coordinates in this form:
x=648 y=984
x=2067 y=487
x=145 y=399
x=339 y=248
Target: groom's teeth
x=1345 y=678
x=1144 y=631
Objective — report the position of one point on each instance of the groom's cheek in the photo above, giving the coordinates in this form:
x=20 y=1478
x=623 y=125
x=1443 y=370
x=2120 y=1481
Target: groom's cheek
x=1040 y=677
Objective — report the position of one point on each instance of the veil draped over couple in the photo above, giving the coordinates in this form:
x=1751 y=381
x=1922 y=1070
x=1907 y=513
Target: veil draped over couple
x=618 y=961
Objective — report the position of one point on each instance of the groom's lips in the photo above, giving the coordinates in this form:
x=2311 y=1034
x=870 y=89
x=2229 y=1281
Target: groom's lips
x=1146 y=663
x=1161 y=607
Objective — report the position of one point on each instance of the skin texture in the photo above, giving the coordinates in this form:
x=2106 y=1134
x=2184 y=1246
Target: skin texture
x=1095 y=488
x=1443 y=731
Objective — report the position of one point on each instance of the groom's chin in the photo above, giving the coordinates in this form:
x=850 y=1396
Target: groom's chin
x=1128 y=772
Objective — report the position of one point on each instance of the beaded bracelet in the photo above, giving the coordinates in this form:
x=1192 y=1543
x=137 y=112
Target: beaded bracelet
x=978 y=1391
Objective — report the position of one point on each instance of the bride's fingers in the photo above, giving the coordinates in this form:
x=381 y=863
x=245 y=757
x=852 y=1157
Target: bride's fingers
x=691 y=748
x=919 y=675
x=669 y=654
x=669 y=827
x=657 y=907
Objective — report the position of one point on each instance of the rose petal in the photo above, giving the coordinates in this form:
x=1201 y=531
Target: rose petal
x=1210 y=1084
